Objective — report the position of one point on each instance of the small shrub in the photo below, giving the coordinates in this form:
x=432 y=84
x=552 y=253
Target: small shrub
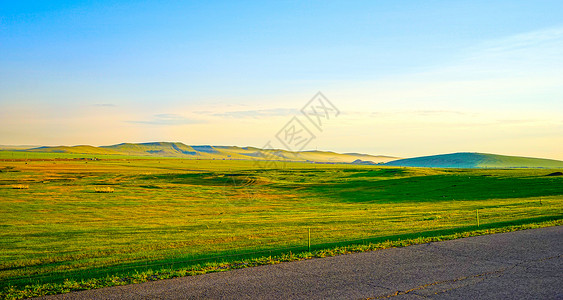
x=106 y=189
x=20 y=186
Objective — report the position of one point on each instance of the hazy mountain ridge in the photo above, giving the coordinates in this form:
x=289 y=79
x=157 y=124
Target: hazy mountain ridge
x=180 y=150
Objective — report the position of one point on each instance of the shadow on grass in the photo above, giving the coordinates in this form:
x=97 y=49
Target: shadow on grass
x=434 y=188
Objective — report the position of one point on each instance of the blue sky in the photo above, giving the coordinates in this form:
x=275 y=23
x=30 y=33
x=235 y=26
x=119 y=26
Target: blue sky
x=410 y=77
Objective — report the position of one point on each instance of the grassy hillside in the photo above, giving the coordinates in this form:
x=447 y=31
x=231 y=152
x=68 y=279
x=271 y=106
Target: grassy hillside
x=86 y=219
x=180 y=150
x=476 y=160
x=502 y=161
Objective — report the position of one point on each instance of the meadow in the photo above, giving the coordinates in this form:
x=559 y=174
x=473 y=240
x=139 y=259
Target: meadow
x=63 y=217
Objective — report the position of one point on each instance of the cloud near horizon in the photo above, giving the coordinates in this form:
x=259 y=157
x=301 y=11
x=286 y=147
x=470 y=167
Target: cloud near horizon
x=274 y=112
x=167 y=119
x=104 y=105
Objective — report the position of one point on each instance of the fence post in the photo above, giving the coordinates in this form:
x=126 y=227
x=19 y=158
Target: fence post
x=309 y=240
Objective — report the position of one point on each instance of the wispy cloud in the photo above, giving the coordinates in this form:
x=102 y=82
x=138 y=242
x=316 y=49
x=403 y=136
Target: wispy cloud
x=258 y=113
x=104 y=105
x=167 y=119
x=387 y=113
x=436 y=112
x=522 y=71
x=534 y=39
x=203 y=112
x=521 y=54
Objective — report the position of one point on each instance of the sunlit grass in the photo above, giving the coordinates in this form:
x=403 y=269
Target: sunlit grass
x=20 y=186
x=105 y=189
x=178 y=210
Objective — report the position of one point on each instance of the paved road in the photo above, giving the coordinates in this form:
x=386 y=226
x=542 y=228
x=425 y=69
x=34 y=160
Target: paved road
x=516 y=265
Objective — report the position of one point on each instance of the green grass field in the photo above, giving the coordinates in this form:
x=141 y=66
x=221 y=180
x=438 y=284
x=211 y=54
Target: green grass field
x=79 y=219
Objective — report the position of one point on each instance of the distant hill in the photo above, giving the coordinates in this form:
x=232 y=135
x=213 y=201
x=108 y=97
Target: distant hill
x=82 y=149
x=180 y=150
x=476 y=160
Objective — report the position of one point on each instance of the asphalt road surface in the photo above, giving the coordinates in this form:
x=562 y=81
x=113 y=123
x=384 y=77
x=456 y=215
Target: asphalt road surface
x=517 y=265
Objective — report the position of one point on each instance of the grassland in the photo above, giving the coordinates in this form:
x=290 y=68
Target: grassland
x=170 y=213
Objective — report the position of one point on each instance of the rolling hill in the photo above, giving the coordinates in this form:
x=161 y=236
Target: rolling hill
x=476 y=160
x=180 y=150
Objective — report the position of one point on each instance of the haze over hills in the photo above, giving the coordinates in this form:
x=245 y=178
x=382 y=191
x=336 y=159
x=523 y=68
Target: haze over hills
x=180 y=150
x=476 y=160
x=17 y=147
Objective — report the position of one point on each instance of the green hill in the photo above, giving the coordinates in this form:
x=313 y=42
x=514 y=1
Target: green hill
x=476 y=160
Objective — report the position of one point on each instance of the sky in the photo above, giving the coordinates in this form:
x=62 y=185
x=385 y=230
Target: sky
x=408 y=78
